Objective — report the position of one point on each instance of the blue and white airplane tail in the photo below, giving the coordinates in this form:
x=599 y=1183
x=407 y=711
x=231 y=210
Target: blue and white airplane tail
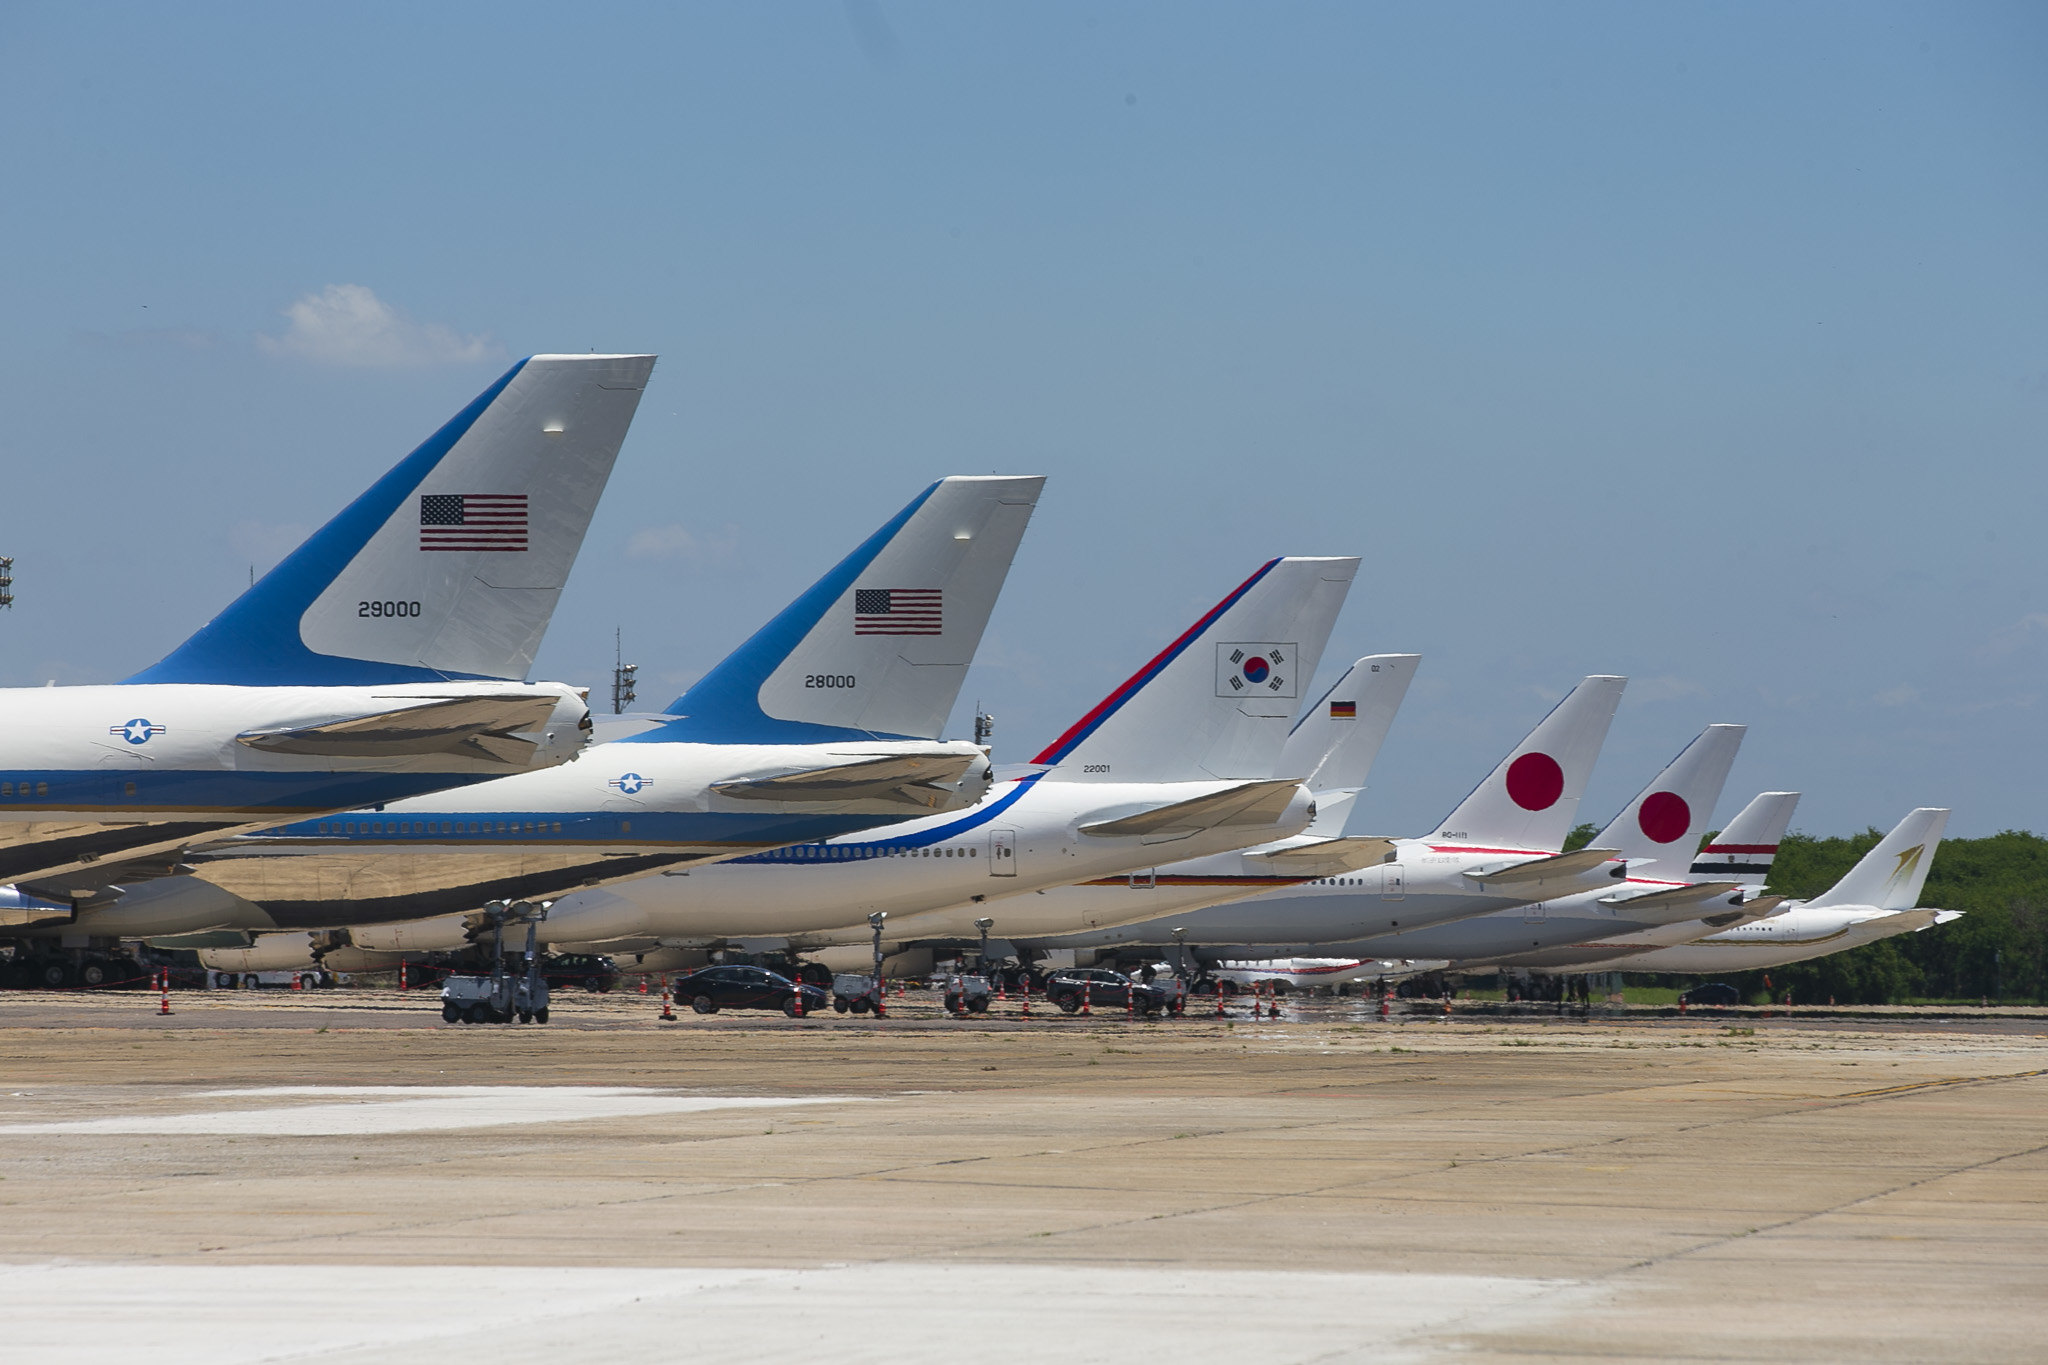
x=451 y=564
x=1333 y=745
x=1531 y=799
x=1746 y=847
x=1890 y=876
x=1657 y=832
x=1217 y=702
x=879 y=647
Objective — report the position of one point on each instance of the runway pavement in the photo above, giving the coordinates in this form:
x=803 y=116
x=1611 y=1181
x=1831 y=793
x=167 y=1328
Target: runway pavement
x=336 y=1177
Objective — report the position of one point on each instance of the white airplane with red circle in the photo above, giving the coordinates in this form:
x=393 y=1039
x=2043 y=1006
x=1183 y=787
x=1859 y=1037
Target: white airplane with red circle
x=1501 y=847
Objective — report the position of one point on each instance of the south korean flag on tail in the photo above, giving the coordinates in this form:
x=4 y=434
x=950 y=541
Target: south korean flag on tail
x=1255 y=669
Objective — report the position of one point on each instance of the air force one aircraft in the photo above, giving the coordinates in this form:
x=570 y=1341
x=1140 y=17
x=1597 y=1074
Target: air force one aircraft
x=1500 y=847
x=1180 y=757
x=382 y=659
x=825 y=722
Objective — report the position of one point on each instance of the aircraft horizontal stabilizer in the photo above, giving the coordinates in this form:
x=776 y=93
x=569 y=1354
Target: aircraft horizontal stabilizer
x=1552 y=869
x=1329 y=857
x=915 y=781
x=1247 y=804
x=474 y=727
x=1687 y=898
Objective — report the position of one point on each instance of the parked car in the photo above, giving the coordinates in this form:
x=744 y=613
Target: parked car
x=711 y=989
x=1102 y=989
x=1712 y=993
x=588 y=970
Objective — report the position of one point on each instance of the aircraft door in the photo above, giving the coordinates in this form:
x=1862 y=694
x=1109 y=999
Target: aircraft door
x=1391 y=883
x=1532 y=913
x=1146 y=880
x=1002 y=853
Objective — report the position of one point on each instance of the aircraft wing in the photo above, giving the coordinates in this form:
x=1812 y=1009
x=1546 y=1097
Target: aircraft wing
x=914 y=781
x=1327 y=857
x=1247 y=804
x=47 y=848
x=1544 y=869
x=475 y=727
x=1673 y=902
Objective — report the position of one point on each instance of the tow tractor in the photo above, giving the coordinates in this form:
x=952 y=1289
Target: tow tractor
x=500 y=996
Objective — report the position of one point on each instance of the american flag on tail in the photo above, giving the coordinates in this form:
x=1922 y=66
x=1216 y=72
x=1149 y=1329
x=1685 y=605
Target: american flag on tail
x=897 y=611
x=473 y=521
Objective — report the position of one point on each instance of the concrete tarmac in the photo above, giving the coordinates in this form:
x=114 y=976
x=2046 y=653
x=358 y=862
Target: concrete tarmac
x=336 y=1177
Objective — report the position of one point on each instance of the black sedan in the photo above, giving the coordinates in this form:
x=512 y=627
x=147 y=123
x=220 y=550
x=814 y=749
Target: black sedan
x=1101 y=989
x=588 y=970
x=711 y=989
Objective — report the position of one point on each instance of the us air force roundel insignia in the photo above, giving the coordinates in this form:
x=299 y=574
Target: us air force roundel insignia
x=1264 y=668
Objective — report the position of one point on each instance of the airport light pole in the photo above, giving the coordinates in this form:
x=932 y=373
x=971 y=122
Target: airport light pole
x=984 y=925
x=1180 y=953
x=623 y=674
x=875 y=923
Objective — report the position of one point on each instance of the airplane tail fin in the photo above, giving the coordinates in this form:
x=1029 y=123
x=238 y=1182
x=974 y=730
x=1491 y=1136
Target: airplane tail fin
x=1890 y=876
x=451 y=564
x=1216 y=703
x=1745 y=847
x=1333 y=745
x=1663 y=825
x=1531 y=799
x=879 y=646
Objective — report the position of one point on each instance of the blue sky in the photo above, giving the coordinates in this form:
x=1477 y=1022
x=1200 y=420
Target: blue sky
x=1702 y=343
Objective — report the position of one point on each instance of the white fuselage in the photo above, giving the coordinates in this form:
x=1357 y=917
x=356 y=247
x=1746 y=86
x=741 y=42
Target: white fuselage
x=166 y=750
x=936 y=874
x=1482 y=940
x=1426 y=883
x=105 y=773
x=628 y=808
x=1799 y=933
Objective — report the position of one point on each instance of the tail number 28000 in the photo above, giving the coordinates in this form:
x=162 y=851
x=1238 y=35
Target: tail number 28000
x=829 y=680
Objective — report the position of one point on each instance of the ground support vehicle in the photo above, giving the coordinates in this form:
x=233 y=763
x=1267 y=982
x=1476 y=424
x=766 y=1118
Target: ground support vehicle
x=73 y=970
x=965 y=995
x=310 y=979
x=500 y=997
x=860 y=994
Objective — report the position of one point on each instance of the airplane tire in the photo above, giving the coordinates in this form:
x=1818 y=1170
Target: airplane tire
x=249 y=982
x=704 y=1004
x=93 y=973
x=54 y=975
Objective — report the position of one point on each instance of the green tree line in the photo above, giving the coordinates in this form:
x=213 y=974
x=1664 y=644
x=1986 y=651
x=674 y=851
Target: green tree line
x=1998 y=950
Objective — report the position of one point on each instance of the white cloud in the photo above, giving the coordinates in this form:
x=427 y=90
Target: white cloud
x=347 y=324
x=1897 y=696
x=679 y=542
